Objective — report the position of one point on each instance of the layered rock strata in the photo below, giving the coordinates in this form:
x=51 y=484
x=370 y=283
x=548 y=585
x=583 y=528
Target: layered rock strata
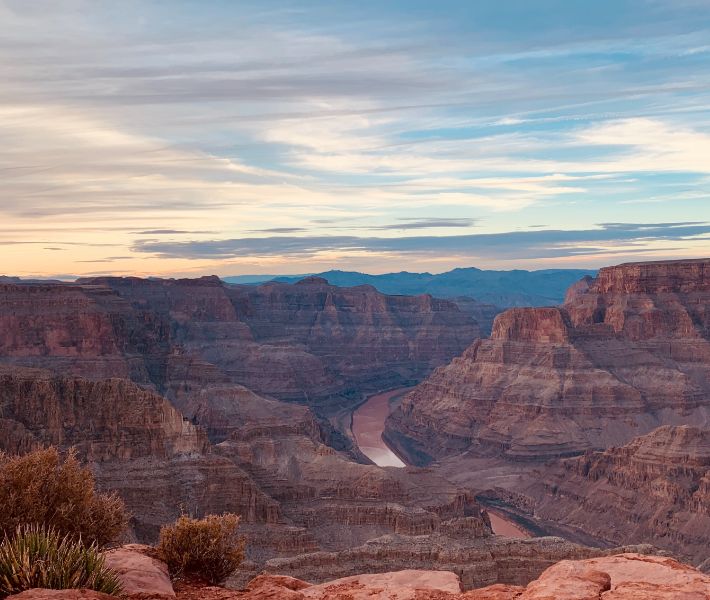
x=136 y=442
x=194 y=340
x=478 y=561
x=618 y=577
x=657 y=488
x=295 y=493
x=628 y=352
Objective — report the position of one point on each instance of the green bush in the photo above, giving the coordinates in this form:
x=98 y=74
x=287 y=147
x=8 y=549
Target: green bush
x=38 y=557
x=206 y=549
x=43 y=488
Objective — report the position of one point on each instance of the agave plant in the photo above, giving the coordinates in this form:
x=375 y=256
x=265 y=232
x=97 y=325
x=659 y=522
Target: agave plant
x=39 y=557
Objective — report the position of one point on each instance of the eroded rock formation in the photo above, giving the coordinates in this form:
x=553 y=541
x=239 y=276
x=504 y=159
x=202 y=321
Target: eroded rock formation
x=625 y=576
x=136 y=442
x=628 y=352
x=657 y=488
x=189 y=338
x=295 y=493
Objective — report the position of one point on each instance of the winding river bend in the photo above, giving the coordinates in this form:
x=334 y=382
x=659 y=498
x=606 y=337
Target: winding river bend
x=368 y=425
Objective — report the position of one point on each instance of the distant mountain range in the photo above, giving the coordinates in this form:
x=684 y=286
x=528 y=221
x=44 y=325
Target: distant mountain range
x=501 y=288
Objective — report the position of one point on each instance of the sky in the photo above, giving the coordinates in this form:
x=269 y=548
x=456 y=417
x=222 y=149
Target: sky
x=182 y=138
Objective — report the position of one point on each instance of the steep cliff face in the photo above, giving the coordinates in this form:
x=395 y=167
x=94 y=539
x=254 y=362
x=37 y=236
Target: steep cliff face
x=209 y=349
x=190 y=339
x=657 y=488
x=628 y=352
x=136 y=442
x=295 y=493
x=360 y=337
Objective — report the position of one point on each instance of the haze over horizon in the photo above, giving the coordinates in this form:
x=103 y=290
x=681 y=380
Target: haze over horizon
x=190 y=138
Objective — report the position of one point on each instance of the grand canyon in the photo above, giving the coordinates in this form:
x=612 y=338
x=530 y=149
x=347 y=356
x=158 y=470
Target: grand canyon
x=320 y=300
x=356 y=432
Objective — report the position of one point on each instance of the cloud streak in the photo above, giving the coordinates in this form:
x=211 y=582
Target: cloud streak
x=158 y=121
x=538 y=243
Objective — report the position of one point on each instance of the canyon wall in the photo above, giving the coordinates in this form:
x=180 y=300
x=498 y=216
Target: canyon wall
x=629 y=351
x=136 y=442
x=309 y=342
x=657 y=488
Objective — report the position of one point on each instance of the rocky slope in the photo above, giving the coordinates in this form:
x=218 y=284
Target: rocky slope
x=477 y=560
x=657 y=488
x=146 y=378
x=295 y=493
x=629 y=351
x=136 y=442
x=618 y=577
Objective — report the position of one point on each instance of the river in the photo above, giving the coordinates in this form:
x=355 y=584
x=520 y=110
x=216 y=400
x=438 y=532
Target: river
x=368 y=425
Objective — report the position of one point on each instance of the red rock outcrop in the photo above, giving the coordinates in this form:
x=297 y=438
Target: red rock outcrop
x=478 y=561
x=657 y=488
x=618 y=577
x=622 y=577
x=630 y=351
x=615 y=577
x=142 y=576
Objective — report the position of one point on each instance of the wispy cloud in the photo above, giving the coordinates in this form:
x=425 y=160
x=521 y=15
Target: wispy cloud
x=545 y=243
x=158 y=121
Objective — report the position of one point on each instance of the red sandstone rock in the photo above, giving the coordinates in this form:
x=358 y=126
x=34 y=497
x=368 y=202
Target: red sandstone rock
x=618 y=577
x=622 y=577
x=399 y=585
x=141 y=575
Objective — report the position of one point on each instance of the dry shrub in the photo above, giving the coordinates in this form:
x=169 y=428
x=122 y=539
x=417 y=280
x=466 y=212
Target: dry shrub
x=206 y=549
x=39 y=557
x=42 y=488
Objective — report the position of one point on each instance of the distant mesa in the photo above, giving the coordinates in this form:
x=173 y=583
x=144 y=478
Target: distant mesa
x=313 y=280
x=499 y=288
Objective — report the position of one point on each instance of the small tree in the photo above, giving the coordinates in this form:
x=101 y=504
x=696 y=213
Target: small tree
x=42 y=488
x=206 y=549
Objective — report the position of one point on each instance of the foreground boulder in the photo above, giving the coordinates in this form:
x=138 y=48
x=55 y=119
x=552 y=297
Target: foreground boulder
x=619 y=577
x=142 y=575
x=622 y=577
x=400 y=585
